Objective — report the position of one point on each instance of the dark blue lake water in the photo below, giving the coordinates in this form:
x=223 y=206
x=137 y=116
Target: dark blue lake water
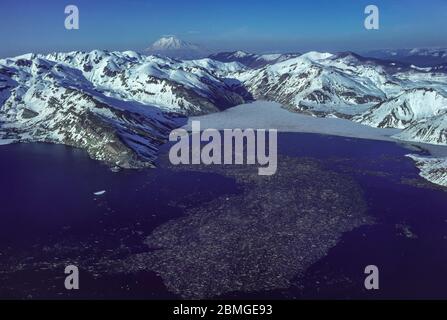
x=47 y=199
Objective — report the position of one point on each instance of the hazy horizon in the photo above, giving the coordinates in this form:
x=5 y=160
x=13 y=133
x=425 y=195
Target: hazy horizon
x=257 y=27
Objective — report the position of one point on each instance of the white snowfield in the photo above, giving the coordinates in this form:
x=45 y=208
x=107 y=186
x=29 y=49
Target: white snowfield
x=119 y=106
x=271 y=115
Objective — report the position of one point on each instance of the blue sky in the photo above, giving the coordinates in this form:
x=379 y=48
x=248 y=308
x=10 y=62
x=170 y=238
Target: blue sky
x=259 y=26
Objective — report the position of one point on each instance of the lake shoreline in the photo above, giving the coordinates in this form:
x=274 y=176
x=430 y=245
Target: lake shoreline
x=272 y=115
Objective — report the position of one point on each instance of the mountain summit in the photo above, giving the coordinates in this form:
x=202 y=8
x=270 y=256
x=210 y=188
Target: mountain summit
x=172 y=43
x=174 y=47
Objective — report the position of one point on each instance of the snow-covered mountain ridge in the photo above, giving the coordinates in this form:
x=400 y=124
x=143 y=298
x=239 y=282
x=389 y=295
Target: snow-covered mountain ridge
x=378 y=93
x=117 y=106
x=120 y=106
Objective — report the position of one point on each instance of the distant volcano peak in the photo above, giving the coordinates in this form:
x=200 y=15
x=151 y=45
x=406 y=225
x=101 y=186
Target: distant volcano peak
x=172 y=43
x=171 y=46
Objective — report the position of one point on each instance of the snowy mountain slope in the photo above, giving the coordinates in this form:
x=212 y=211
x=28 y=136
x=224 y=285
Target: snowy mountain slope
x=431 y=130
x=252 y=60
x=52 y=103
x=375 y=92
x=171 y=46
x=111 y=104
x=432 y=169
x=185 y=87
x=407 y=108
x=319 y=83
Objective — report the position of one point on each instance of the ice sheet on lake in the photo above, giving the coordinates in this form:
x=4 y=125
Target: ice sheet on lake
x=6 y=141
x=271 y=115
